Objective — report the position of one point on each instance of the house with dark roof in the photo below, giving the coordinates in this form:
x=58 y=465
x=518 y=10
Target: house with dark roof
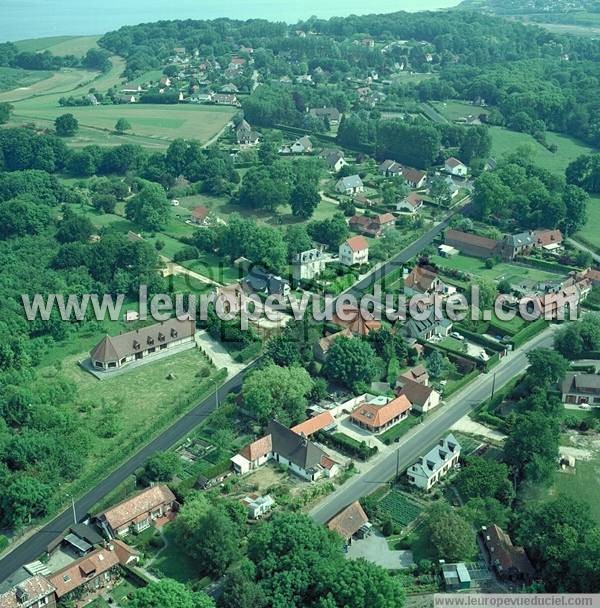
x=381 y=413
x=334 y=159
x=114 y=352
x=415 y=178
x=138 y=512
x=302 y=146
x=418 y=373
x=433 y=466
x=332 y=115
x=372 y=226
x=508 y=561
x=517 y=244
x=288 y=448
x=455 y=167
x=349 y=521
x=246 y=136
x=426 y=328
x=423 y=397
x=352 y=184
x=306 y=265
x=262 y=281
x=472 y=244
x=390 y=168
x=577 y=388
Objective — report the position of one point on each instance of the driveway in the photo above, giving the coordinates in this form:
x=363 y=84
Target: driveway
x=218 y=354
x=375 y=549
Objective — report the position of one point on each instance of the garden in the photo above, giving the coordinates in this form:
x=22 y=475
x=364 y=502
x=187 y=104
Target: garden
x=402 y=510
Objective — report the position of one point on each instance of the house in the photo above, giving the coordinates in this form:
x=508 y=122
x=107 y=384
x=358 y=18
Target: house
x=509 y=562
x=558 y=304
x=472 y=244
x=428 y=327
x=423 y=398
x=580 y=389
x=201 y=98
x=432 y=467
x=415 y=178
x=137 y=513
x=93 y=99
x=372 y=226
x=349 y=521
x=350 y=185
x=245 y=135
x=446 y=251
x=321 y=422
x=165 y=81
x=131 y=315
x=259 y=280
x=114 y=352
x=418 y=374
x=237 y=63
x=456 y=577
x=354 y=250
x=360 y=322
x=550 y=240
x=517 y=244
x=93 y=572
x=361 y=200
x=225 y=99
x=200 y=215
x=390 y=168
x=332 y=115
x=229 y=88
x=453 y=166
x=287 y=448
x=306 y=265
x=258 y=505
x=131 y=88
x=411 y=203
x=302 y=146
x=128 y=98
x=334 y=159
x=381 y=413
x=323 y=346
x=424 y=281
x=33 y=592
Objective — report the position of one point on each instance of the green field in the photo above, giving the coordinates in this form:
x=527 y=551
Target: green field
x=583 y=485
x=455 y=110
x=506 y=142
x=590 y=233
x=14 y=78
x=59 y=45
x=503 y=270
x=399 y=508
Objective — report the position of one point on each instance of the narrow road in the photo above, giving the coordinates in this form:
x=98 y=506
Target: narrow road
x=422 y=437
x=583 y=247
x=35 y=546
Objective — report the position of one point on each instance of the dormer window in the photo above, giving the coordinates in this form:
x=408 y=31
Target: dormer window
x=150 y=340
x=173 y=332
x=161 y=337
x=136 y=344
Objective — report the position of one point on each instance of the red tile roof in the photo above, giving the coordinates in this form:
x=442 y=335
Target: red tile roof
x=421 y=278
x=200 y=213
x=348 y=521
x=376 y=416
x=456 y=236
x=357 y=243
x=257 y=449
x=360 y=322
x=543 y=238
x=453 y=162
x=312 y=425
x=503 y=554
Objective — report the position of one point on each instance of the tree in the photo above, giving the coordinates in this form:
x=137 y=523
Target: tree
x=482 y=479
x=546 y=367
x=576 y=201
x=277 y=392
x=74 y=227
x=168 y=593
x=351 y=361
x=150 y=208
x=66 y=125
x=297 y=240
x=304 y=199
x=5 y=111
x=481 y=511
x=162 y=466
x=435 y=364
x=440 y=192
x=208 y=535
x=122 y=125
x=331 y=231
x=24 y=498
x=450 y=534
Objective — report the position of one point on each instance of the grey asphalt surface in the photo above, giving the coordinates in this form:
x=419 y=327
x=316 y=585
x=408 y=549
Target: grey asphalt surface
x=426 y=435
x=35 y=546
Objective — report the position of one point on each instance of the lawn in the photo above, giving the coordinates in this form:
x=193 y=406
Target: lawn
x=590 y=234
x=213 y=267
x=455 y=110
x=12 y=78
x=171 y=562
x=59 y=45
x=400 y=429
x=126 y=411
x=504 y=270
x=162 y=123
x=584 y=485
x=506 y=142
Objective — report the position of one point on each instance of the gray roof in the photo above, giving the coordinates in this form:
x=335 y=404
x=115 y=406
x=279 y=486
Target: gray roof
x=520 y=240
x=437 y=457
x=574 y=382
x=116 y=347
x=295 y=448
x=415 y=326
x=309 y=255
x=330 y=113
x=352 y=181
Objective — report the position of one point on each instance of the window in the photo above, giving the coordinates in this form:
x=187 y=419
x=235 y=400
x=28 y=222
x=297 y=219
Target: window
x=98 y=364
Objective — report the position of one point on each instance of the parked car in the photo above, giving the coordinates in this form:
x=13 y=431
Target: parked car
x=457 y=336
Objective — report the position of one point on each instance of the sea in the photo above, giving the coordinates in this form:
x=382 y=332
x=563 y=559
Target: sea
x=25 y=19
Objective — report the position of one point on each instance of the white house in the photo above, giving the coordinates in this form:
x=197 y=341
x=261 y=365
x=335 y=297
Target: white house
x=302 y=146
x=423 y=397
x=306 y=265
x=410 y=204
x=354 y=250
x=258 y=505
x=432 y=467
x=455 y=167
x=350 y=185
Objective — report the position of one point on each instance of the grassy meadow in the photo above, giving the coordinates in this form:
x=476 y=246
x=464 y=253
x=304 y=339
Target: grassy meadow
x=590 y=233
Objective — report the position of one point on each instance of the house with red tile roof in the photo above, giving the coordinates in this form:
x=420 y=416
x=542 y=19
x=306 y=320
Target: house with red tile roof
x=418 y=373
x=138 y=512
x=200 y=215
x=33 y=592
x=424 y=281
x=472 y=244
x=320 y=422
x=508 y=561
x=455 y=167
x=372 y=226
x=381 y=413
x=354 y=250
x=359 y=322
x=411 y=203
x=550 y=240
x=348 y=521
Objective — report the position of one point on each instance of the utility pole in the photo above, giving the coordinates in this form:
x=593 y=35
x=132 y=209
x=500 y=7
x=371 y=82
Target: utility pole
x=73 y=507
x=493 y=386
x=397 y=464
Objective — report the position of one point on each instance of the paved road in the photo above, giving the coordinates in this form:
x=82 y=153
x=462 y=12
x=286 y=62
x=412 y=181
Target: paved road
x=35 y=546
x=425 y=436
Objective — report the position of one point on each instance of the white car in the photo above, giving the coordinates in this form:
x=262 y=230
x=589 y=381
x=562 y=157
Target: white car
x=457 y=336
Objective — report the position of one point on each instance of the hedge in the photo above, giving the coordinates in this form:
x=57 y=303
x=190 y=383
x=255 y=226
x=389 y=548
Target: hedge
x=528 y=332
x=358 y=449
x=462 y=382
x=248 y=353
x=544 y=264
x=588 y=354
x=479 y=339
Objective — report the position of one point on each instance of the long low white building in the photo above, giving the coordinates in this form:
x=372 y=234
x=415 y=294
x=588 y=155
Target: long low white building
x=429 y=469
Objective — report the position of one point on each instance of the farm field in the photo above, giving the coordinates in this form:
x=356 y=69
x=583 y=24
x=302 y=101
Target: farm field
x=159 y=123
x=506 y=142
x=503 y=270
x=13 y=78
x=590 y=233
x=59 y=45
x=399 y=508
x=61 y=82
